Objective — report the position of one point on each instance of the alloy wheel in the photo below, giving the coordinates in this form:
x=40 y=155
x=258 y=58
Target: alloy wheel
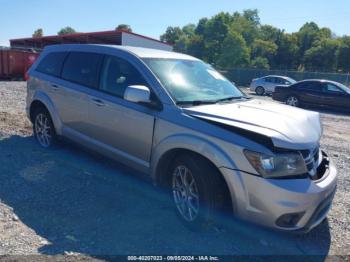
x=292 y=101
x=43 y=130
x=260 y=91
x=185 y=193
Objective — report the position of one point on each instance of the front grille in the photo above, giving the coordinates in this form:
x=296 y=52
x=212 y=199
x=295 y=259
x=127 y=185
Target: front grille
x=312 y=161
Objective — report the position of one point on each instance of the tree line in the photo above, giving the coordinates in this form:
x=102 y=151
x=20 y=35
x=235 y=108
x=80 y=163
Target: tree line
x=241 y=40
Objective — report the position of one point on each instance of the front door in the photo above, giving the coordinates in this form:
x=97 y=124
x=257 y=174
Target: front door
x=311 y=92
x=125 y=126
x=334 y=96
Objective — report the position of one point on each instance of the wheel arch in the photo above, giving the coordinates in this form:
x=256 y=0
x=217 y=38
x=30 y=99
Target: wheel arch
x=166 y=152
x=41 y=100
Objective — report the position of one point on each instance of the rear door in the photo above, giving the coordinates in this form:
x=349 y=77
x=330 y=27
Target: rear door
x=80 y=74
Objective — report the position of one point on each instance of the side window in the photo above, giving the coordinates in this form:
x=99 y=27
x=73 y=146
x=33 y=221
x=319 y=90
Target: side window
x=52 y=63
x=332 y=88
x=282 y=81
x=82 y=68
x=313 y=86
x=117 y=75
x=268 y=79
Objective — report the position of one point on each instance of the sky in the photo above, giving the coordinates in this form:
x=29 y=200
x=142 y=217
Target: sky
x=20 y=18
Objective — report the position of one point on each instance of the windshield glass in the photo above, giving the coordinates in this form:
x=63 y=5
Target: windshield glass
x=291 y=80
x=190 y=81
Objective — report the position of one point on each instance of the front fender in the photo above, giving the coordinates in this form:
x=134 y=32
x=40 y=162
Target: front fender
x=192 y=143
x=46 y=100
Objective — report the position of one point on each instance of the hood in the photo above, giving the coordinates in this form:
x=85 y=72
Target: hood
x=288 y=127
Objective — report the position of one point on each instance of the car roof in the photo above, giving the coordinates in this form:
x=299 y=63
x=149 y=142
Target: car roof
x=276 y=76
x=140 y=52
x=318 y=80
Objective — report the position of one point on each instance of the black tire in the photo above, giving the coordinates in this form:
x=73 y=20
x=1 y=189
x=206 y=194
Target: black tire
x=260 y=91
x=42 y=124
x=212 y=196
x=293 y=100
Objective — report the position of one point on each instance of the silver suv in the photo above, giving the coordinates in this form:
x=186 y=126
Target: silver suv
x=175 y=118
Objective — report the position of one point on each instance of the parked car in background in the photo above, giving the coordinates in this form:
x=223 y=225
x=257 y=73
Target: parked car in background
x=267 y=84
x=314 y=92
x=178 y=120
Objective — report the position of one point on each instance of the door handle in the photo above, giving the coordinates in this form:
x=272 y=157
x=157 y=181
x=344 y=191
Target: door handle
x=55 y=87
x=98 y=102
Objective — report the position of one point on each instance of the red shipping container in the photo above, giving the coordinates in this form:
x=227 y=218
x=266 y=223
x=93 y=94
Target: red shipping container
x=15 y=63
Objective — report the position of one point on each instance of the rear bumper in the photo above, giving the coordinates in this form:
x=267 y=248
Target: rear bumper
x=267 y=201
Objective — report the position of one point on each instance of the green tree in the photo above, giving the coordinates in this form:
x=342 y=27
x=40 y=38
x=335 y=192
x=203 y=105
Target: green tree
x=287 y=52
x=235 y=52
x=252 y=15
x=247 y=25
x=263 y=48
x=307 y=35
x=66 y=31
x=215 y=33
x=201 y=26
x=269 y=33
x=38 y=33
x=124 y=27
x=196 y=46
x=343 y=54
x=260 y=62
x=322 y=56
x=172 y=34
x=189 y=30
x=234 y=39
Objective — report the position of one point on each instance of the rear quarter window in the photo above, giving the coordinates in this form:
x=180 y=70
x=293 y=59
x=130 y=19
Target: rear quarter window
x=83 y=68
x=52 y=63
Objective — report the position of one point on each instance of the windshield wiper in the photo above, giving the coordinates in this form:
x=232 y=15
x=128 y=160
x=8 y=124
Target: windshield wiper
x=230 y=98
x=211 y=102
x=196 y=102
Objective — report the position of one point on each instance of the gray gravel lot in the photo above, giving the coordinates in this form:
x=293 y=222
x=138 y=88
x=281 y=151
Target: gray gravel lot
x=68 y=201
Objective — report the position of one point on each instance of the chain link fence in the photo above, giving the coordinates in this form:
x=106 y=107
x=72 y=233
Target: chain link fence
x=244 y=76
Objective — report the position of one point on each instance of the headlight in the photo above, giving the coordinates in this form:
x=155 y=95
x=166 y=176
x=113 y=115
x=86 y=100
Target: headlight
x=278 y=165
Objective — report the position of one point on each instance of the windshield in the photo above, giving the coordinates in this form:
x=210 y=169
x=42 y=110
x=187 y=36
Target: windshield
x=192 y=82
x=291 y=80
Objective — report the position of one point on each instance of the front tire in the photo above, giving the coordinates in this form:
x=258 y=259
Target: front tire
x=293 y=101
x=198 y=193
x=43 y=128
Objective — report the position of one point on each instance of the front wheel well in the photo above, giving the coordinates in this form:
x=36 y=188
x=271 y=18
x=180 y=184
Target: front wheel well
x=163 y=178
x=35 y=105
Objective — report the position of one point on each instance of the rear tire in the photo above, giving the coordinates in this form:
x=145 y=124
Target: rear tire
x=43 y=128
x=198 y=193
x=260 y=91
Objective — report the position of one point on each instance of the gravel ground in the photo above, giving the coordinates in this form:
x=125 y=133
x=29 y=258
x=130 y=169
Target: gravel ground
x=69 y=201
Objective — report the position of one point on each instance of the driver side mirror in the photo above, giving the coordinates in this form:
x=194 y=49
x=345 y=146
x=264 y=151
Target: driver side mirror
x=137 y=94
